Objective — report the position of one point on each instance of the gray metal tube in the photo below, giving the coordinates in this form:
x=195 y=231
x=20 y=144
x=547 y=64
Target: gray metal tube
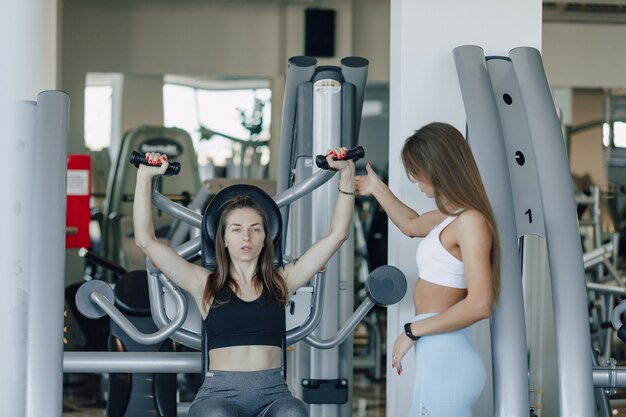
x=157 y=308
x=346 y=329
x=173 y=209
x=597 y=255
x=189 y=248
x=186 y=250
x=157 y=301
x=602 y=377
x=616 y=315
x=15 y=253
x=606 y=289
x=601 y=395
x=182 y=230
x=299 y=333
x=44 y=380
x=354 y=70
x=508 y=338
x=303 y=188
x=128 y=328
x=148 y=362
x=569 y=294
x=299 y=69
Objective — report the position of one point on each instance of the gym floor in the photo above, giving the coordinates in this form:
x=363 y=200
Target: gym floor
x=80 y=397
x=369 y=399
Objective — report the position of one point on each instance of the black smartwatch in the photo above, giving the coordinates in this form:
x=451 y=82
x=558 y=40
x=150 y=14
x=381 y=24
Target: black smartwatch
x=409 y=333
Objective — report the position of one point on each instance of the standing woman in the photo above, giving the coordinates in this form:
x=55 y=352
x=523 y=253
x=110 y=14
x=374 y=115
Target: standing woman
x=458 y=263
x=243 y=301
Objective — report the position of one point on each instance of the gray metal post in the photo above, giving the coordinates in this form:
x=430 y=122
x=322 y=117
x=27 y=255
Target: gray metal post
x=299 y=69
x=354 y=70
x=15 y=256
x=326 y=134
x=44 y=393
x=510 y=369
x=573 y=341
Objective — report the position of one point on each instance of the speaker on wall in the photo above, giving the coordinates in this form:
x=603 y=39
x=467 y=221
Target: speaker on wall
x=319 y=32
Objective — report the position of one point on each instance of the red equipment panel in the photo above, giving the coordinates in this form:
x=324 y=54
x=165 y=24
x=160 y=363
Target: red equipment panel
x=78 y=213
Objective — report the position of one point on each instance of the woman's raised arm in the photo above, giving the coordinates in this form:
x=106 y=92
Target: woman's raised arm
x=405 y=218
x=186 y=275
x=300 y=271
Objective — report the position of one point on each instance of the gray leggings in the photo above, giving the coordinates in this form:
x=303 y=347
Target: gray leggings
x=246 y=394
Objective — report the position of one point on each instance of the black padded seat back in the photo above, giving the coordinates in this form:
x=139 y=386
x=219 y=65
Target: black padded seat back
x=214 y=210
x=131 y=294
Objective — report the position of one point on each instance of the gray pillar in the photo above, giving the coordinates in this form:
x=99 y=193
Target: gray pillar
x=573 y=342
x=484 y=132
x=15 y=264
x=44 y=392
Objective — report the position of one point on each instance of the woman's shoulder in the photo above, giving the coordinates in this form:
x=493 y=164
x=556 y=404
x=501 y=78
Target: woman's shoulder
x=471 y=221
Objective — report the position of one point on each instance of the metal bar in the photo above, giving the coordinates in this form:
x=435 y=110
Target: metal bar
x=346 y=330
x=128 y=328
x=181 y=230
x=157 y=362
x=15 y=251
x=44 y=386
x=508 y=329
x=354 y=70
x=607 y=289
x=299 y=333
x=299 y=70
x=176 y=210
x=569 y=294
x=602 y=377
x=157 y=308
x=303 y=188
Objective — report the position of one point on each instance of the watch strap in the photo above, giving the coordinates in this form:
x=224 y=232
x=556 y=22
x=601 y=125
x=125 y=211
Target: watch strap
x=409 y=332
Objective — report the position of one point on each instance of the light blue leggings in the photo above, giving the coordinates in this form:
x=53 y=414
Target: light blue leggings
x=449 y=374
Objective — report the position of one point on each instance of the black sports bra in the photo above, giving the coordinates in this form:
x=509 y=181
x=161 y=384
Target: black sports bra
x=239 y=323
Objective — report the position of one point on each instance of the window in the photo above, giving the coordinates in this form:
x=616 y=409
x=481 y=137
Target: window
x=619 y=134
x=98 y=109
x=229 y=125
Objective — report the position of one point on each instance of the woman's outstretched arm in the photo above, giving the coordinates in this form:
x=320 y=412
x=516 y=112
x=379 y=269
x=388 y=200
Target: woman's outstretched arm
x=300 y=271
x=405 y=218
x=186 y=275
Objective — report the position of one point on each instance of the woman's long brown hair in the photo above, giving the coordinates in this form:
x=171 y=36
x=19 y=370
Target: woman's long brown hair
x=266 y=278
x=439 y=153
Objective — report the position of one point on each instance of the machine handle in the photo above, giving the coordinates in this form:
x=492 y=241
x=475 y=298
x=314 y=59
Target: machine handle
x=95 y=299
x=354 y=154
x=103 y=262
x=137 y=158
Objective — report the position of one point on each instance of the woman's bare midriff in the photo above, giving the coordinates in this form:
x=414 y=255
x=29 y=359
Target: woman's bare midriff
x=433 y=298
x=244 y=358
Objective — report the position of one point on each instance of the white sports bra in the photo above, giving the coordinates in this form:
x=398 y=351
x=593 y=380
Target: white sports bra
x=435 y=264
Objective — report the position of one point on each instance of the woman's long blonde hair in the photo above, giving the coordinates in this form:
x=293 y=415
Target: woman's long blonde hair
x=438 y=153
x=266 y=277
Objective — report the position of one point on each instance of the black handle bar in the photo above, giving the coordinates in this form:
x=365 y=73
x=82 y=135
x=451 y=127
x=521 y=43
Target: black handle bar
x=354 y=154
x=137 y=158
x=103 y=262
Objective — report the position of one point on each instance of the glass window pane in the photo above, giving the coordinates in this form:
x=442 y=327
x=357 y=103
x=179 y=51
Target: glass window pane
x=98 y=102
x=619 y=132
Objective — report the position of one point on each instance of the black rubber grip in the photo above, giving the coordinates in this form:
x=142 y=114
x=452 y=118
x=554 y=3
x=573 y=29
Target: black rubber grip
x=354 y=154
x=103 y=262
x=137 y=158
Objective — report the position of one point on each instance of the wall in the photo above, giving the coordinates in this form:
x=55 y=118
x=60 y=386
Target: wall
x=584 y=55
x=206 y=38
x=424 y=87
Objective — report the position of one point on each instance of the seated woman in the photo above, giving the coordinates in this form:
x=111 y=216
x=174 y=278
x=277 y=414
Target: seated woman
x=246 y=295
